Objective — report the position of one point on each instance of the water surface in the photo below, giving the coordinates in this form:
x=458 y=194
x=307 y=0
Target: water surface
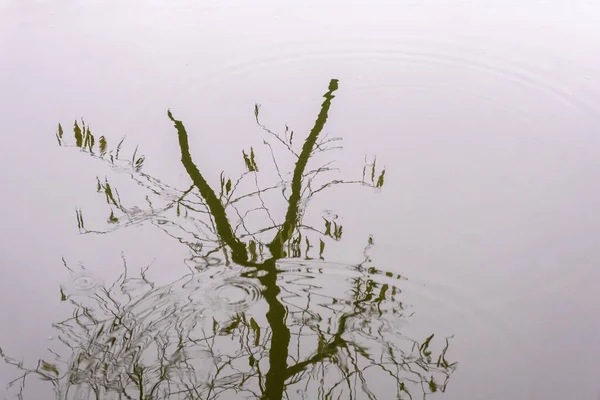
x=484 y=116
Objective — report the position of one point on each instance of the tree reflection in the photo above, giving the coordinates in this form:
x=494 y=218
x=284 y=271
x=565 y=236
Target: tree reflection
x=295 y=332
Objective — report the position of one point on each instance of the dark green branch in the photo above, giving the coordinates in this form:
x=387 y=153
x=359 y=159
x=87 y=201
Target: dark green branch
x=291 y=218
x=224 y=230
x=278 y=353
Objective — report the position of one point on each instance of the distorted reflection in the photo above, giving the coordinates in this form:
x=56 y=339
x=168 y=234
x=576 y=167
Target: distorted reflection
x=261 y=314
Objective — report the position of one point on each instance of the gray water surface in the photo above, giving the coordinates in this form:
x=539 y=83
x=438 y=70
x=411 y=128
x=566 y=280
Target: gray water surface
x=483 y=231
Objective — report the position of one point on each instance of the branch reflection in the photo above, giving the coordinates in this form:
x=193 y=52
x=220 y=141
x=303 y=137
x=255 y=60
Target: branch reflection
x=273 y=320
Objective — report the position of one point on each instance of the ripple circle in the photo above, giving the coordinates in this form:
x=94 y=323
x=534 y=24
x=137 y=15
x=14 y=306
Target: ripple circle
x=85 y=282
x=235 y=293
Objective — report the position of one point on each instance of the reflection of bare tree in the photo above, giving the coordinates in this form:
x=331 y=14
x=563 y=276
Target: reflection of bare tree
x=187 y=340
x=144 y=341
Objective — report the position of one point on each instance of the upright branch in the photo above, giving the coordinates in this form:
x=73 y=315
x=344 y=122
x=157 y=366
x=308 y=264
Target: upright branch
x=224 y=229
x=291 y=218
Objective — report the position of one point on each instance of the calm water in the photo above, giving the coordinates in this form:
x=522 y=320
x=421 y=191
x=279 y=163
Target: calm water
x=351 y=200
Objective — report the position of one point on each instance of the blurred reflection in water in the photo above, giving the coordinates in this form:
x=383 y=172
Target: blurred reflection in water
x=261 y=313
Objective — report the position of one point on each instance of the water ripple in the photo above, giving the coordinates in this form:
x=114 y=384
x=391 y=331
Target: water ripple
x=395 y=59
x=216 y=330
x=235 y=294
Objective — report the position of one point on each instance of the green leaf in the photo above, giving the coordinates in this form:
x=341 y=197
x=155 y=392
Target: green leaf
x=112 y=219
x=256 y=329
x=79 y=219
x=92 y=141
x=380 y=179
x=432 y=385
x=89 y=140
x=337 y=231
x=308 y=247
x=139 y=163
x=425 y=347
x=327 y=227
x=78 y=135
x=256 y=110
x=109 y=195
x=382 y=294
x=252 y=159
x=248 y=162
x=103 y=145
x=234 y=324
x=50 y=368
x=373 y=170
x=59 y=135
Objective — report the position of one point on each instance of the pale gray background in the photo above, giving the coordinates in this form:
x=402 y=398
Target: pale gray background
x=486 y=114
